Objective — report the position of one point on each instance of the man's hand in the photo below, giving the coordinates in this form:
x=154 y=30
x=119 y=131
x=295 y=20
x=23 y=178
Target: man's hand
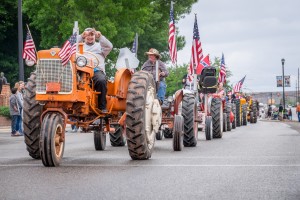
x=98 y=34
x=162 y=74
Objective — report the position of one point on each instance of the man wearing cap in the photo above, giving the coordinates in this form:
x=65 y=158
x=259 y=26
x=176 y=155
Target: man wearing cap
x=101 y=49
x=149 y=65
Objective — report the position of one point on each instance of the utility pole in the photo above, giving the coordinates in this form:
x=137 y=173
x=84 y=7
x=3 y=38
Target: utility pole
x=298 y=88
x=20 y=41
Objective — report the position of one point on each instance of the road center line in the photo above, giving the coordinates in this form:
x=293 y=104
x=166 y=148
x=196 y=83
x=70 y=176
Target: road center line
x=100 y=165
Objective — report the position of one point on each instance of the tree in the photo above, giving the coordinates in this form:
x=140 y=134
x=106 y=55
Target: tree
x=174 y=80
x=117 y=20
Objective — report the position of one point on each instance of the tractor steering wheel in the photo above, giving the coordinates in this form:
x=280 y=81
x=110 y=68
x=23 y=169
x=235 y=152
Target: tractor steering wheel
x=91 y=57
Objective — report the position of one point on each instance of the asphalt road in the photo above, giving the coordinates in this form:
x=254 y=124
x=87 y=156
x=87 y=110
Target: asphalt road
x=259 y=161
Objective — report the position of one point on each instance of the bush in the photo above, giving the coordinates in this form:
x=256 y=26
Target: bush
x=4 y=111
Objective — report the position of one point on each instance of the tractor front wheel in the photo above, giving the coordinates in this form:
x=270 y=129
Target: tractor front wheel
x=189 y=112
x=117 y=139
x=178 y=133
x=143 y=116
x=208 y=128
x=52 y=141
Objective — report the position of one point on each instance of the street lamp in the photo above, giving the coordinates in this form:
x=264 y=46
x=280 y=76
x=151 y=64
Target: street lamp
x=283 y=95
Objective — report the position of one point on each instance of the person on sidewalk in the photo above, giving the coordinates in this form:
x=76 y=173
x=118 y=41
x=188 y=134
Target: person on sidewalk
x=298 y=111
x=290 y=115
x=14 y=112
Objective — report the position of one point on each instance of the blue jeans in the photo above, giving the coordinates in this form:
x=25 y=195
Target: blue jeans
x=161 y=91
x=20 y=123
x=299 y=116
x=14 y=123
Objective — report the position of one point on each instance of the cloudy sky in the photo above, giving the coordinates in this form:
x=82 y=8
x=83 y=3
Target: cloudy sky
x=254 y=36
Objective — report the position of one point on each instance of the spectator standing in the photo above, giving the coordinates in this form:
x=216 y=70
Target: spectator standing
x=290 y=114
x=14 y=112
x=20 y=92
x=298 y=111
x=269 y=112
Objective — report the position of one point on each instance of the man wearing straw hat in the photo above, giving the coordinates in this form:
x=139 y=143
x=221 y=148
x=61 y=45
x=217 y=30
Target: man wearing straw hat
x=149 y=65
x=101 y=49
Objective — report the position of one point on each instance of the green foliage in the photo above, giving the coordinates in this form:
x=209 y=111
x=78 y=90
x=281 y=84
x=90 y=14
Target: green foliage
x=4 y=111
x=51 y=24
x=174 y=80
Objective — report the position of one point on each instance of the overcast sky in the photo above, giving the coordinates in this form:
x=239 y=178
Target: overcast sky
x=254 y=36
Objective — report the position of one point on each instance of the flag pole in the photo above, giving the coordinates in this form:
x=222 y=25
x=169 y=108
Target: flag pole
x=137 y=43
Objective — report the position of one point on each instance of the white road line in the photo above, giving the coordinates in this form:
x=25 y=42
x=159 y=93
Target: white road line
x=99 y=165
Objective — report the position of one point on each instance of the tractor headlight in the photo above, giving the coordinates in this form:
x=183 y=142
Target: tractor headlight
x=81 y=61
x=29 y=63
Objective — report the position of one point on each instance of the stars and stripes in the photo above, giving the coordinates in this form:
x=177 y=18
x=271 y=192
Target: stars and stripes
x=203 y=63
x=135 y=45
x=222 y=73
x=197 y=54
x=239 y=85
x=29 y=48
x=172 y=37
x=68 y=49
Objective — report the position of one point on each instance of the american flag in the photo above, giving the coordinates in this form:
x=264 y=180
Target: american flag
x=222 y=74
x=135 y=45
x=68 y=49
x=172 y=37
x=197 y=54
x=203 y=63
x=239 y=85
x=29 y=48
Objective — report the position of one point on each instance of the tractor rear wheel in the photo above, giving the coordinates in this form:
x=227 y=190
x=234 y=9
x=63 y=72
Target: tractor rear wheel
x=178 y=133
x=143 y=116
x=251 y=118
x=168 y=133
x=244 y=115
x=52 y=141
x=238 y=112
x=189 y=112
x=228 y=110
x=254 y=108
x=217 y=117
x=224 y=122
x=208 y=128
x=31 y=118
x=117 y=139
x=233 y=108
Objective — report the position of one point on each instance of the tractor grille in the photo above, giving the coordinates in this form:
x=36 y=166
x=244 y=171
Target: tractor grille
x=51 y=70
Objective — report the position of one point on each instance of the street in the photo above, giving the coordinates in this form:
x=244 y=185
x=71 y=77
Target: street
x=259 y=161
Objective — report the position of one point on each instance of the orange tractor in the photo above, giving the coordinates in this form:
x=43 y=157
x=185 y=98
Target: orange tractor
x=55 y=94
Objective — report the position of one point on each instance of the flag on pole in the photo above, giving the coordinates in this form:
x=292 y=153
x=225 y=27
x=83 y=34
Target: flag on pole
x=197 y=54
x=239 y=85
x=203 y=63
x=222 y=73
x=135 y=45
x=68 y=49
x=29 y=48
x=172 y=37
